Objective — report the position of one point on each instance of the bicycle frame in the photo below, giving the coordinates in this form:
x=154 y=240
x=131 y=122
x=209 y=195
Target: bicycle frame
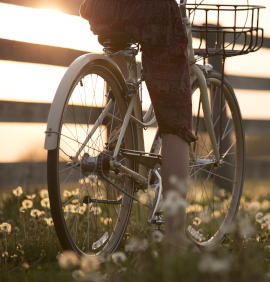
x=134 y=105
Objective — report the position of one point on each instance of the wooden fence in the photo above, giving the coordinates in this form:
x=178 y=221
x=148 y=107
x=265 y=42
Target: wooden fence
x=33 y=173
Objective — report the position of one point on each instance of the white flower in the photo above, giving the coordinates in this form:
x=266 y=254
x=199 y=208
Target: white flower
x=35 y=213
x=254 y=207
x=209 y=263
x=119 y=257
x=66 y=194
x=259 y=216
x=246 y=228
x=27 y=204
x=173 y=203
x=31 y=197
x=18 y=191
x=78 y=274
x=136 y=245
x=68 y=260
x=6 y=227
x=44 y=193
x=157 y=236
x=107 y=221
x=45 y=202
x=197 y=221
x=265 y=204
x=90 y=263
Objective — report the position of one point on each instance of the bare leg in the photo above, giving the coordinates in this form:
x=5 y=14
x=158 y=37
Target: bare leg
x=175 y=161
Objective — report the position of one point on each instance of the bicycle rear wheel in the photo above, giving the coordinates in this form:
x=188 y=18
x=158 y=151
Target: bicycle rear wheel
x=90 y=215
x=215 y=187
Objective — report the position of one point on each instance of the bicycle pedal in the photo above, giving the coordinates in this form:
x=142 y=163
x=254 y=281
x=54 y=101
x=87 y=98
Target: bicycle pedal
x=147 y=159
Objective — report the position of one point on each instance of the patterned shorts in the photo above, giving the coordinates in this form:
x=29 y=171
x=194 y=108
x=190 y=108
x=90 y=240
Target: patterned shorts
x=158 y=26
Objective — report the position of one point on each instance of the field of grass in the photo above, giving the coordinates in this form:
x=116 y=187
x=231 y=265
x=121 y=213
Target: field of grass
x=30 y=250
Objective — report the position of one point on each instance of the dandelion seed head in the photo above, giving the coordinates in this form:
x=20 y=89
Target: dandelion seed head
x=209 y=263
x=90 y=263
x=246 y=228
x=107 y=221
x=265 y=205
x=45 y=203
x=27 y=204
x=136 y=245
x=66 y=194
x=5 y=227
x=68 y=208
x=197 y=221
x=68 y=260
x=78 y=274
x=18 y=191
x=157 y=236
x=31 y=197
x=173 y=203
x=35 y=213
x=49 y=221
x=75 y=192
x=82 y=209
x=96 y=210
x=254 y=207
x=119 y=258
x=44 y=193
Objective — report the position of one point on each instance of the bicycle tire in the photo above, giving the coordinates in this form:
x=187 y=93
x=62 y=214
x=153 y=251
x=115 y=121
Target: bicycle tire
x=109 y=221
x=215 y=189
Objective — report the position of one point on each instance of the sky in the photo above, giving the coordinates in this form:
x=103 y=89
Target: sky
x=22 y=81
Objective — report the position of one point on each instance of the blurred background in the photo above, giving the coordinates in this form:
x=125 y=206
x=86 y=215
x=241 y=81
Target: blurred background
x=38 y=41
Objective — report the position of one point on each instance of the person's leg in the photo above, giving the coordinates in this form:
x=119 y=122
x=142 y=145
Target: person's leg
x=175 y=162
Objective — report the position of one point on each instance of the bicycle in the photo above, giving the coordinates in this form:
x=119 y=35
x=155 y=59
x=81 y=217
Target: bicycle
x=96 y=158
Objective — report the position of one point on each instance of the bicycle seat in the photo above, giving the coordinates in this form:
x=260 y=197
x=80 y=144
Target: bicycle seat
x=116 y=40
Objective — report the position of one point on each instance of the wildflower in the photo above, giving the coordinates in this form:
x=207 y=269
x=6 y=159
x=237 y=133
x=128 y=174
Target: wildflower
x=246 y=228
x=265 y=221
x=18 y=191
x=27 y=204
x=107 y=221
x=119 y=258
x=173 y=202
x=44 y=193
x=97 y=210
x=154 y=254
x=136 y=245
x=68 y=208
x=82 y=209
x=22 y=209
x=144 y=198
x=90 y=263
x=254 y=207
x=45 y=202
x=211 y=264
x=75 y=192
x=157 y=236
x=66 y=194
x=84 y=180
x=31 y=197
x=197 y=221
x=49 y=221
x=78 y=274
x=75 y=201
x=6 y=227
x=35 y=213
x=68 y=260
x=265 y=204
x=259 y=216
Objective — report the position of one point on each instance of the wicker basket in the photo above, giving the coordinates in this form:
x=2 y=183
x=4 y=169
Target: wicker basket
x=241 y=34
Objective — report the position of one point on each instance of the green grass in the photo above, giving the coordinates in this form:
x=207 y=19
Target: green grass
x=33 y=248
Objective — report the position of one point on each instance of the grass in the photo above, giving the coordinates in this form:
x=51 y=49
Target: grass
x=30 y=251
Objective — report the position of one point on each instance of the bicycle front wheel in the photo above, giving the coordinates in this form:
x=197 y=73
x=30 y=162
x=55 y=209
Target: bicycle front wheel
x=90 y=215
x=215 y=186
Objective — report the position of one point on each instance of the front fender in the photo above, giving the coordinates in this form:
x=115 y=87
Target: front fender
x=61 y=95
